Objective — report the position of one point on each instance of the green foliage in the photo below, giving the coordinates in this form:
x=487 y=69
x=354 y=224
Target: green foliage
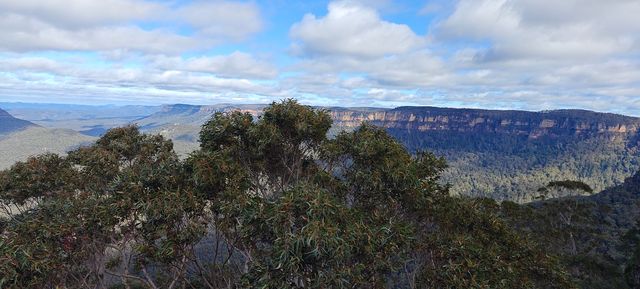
x=265 y=203
x=631 y=243
x=44 y=176
x=320 y=243
x=353 y=211
x=506 y=166
x=594 y=236
x=571 y=185
x=479 y=250
x=69 y=215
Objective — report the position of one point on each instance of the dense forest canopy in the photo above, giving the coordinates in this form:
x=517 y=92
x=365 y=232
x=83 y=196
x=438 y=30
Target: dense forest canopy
x=596 y=236
x=511 y=167
x=273 y=202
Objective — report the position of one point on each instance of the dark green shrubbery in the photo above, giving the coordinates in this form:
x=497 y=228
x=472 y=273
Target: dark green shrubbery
x=265 y=203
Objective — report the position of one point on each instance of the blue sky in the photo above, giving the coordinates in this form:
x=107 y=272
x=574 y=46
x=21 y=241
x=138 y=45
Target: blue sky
x=504 y=54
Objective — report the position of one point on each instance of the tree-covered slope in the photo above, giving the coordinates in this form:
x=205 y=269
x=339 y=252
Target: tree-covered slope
x=594 y=235
x=20 y=139
x=506 y=166
x=506 y=154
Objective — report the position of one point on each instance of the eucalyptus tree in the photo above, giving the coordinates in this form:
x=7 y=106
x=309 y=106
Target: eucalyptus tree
x=105 y=212
x=267 y=202
x=354 y=211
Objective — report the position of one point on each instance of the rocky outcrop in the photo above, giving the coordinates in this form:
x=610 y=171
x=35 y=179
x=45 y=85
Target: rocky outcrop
x=531 y=124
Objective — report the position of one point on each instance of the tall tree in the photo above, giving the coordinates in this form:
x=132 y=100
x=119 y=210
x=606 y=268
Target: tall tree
x=358 y=210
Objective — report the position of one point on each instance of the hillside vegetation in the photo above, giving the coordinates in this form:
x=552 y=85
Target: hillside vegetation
x=510 y=167
x=596 y=236
x=266 y=203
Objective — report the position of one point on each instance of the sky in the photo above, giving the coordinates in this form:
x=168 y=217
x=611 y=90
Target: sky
x=498 y=54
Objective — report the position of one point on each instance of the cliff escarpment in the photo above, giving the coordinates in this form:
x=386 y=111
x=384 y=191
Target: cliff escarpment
x=530 y=124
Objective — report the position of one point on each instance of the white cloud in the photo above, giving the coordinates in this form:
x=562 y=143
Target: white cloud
x=234 y=65
x=418 y=69
x=80 y=14
x=227 y=19
x=114 y=25
x=31 y=64
x=32 y=74
x=546 y=29
x=352 y=29
x=409 y=70
x=23 y=34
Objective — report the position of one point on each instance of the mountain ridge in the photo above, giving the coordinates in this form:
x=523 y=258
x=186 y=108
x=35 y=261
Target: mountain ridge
x=10 y=124
x=533 y=124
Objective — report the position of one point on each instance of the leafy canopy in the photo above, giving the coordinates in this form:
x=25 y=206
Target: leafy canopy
x=267 y=202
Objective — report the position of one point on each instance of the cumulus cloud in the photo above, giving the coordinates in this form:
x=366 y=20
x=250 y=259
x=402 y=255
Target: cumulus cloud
x=352 y=29
x=543 y=54
x=379 y=57
x=80 y=14
x=31 y=64
x=233 y=20
x=37 y=75
x=235 y=65
x=490 y=53
x=418 y=69
x=24 y=34
x=559 y=30
x=109 y=25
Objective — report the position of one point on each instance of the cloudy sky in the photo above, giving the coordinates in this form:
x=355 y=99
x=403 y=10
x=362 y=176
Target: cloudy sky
x=505 y=54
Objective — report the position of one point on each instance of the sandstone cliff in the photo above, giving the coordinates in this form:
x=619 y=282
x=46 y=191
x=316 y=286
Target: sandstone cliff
x=531 y=124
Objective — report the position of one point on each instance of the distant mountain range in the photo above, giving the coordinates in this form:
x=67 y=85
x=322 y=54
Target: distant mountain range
x=20 y=139
x=87 y=119
x=493 y=153
x=10 y=124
